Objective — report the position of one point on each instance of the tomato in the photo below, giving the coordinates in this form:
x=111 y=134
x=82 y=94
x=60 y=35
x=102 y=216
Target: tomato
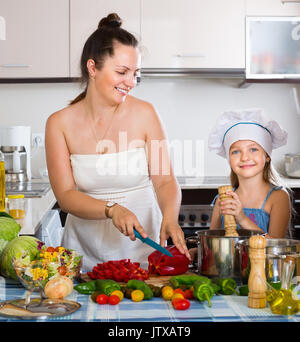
x=118 y=293
x=177 y=295
x=181 y=304
x=137 y=295
x=62 y=270
x=102 y=299
x=179 y=291
x=188 y=294
x=167 y=292
x=51 y=249
x=113 y=300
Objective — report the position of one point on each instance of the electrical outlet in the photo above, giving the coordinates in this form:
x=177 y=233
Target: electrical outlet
x=37 y=140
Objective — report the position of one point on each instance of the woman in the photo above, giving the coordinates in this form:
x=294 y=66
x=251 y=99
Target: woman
x=101 y=161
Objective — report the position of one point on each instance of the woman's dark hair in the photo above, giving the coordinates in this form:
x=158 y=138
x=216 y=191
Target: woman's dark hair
x=100 y=44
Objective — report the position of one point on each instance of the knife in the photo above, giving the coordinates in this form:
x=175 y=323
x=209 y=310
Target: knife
x=152 y=243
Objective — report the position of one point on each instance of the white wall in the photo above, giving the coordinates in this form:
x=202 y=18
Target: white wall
x=188 y=108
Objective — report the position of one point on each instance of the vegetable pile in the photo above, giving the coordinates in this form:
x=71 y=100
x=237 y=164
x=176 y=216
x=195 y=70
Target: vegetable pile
x=118 y=270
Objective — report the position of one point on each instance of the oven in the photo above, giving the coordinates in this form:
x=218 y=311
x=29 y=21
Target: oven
x=196 y=208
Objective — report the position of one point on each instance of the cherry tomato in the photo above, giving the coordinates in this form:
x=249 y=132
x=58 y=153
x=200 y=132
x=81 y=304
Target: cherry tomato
x=113 y=300
x=188 y=294
x=179 y=291
x=181 y=304
x=51 y=249
x=62 y=270
x=102 y=299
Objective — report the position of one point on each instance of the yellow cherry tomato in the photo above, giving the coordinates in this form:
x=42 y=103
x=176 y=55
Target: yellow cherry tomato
x=167 y=292
x=137 y=295
x=177 y=295
x=118 y=293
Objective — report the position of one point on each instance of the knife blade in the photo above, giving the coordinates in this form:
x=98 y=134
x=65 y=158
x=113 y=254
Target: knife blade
x=152 y=243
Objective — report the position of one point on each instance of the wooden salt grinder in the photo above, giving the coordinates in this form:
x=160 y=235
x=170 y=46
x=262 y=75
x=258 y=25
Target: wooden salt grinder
x=229 y=220
x=257 y=278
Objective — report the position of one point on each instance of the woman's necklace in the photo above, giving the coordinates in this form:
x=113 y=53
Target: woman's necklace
x=101 y=149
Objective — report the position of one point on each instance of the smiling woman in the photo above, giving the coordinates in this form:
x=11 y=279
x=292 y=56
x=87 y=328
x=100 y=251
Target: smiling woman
x=90 y=163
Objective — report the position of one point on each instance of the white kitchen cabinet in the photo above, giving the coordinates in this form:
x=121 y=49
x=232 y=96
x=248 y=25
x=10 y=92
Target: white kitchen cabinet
x=272 y=8
x=193 y=33
x=36 y=39
x=84 y=19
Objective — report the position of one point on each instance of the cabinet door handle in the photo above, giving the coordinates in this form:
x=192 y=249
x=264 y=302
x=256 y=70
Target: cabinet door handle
x=15 y=65
x=297 y=201
x=184 y=55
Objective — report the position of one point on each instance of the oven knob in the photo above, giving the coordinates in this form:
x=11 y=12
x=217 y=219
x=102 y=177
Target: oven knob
x=192 y=218
x=181 y=218
x=204 y=217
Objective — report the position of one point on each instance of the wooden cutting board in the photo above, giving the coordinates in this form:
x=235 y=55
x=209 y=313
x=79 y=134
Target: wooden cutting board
x=154 y=279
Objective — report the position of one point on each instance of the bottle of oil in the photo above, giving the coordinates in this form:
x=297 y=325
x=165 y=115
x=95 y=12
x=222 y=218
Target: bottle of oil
x=281 y=301
x=2 y=182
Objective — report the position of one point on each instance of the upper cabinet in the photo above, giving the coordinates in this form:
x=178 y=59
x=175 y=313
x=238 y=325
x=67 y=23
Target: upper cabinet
x=85 y=16
x=35 y=38
x=193 y=34
x=272 y=8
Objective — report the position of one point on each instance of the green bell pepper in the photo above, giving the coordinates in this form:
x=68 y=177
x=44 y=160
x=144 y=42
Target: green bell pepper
x=186 y=279
x=227 y=285
x=107 y=286
x=136 y=284
x=244 y=290
x=203 y=291
x=86 y=288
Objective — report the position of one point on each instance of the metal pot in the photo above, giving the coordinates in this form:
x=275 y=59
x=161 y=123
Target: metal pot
x=217 y=253
x=292 y=165
x=276 y=251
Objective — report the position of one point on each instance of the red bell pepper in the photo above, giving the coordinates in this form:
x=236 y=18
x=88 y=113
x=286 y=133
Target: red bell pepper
x=118 y=270
x=164 y=265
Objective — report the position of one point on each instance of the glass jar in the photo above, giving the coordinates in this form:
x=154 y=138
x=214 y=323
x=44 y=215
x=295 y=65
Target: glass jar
x=16 y=206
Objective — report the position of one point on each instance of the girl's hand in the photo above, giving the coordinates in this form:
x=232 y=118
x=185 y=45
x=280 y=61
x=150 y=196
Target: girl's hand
x=232 y=207
x=174 y=231
x=124 y=220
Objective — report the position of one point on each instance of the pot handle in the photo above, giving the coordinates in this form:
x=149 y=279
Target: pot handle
x=192 y=239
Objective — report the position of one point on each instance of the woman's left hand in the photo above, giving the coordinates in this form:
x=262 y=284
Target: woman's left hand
x=174 y=231
x=233 y=207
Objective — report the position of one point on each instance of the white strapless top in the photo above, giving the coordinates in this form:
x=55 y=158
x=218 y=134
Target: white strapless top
x=124 y=178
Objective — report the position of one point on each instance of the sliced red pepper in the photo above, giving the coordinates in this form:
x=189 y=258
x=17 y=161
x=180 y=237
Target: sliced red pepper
x=164 y=265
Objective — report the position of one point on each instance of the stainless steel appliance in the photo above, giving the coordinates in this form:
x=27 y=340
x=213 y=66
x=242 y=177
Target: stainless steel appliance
x=15 y=144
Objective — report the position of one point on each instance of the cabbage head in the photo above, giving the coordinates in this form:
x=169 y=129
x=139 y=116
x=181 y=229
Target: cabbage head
x=16 y=248
x=9 y=229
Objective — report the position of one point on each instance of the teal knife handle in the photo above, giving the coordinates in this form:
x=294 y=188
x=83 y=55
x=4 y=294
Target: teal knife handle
x=138 y=235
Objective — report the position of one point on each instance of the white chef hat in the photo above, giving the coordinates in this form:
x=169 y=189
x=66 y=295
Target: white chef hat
x=249 y=124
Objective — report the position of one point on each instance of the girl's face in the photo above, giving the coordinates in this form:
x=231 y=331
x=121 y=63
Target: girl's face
x=247 y=158
x=118 y=74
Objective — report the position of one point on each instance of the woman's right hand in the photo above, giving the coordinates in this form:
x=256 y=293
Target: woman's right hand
x=124 y=220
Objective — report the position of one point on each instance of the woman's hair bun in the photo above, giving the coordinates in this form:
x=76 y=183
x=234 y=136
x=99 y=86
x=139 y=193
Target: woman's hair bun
x=111 y=21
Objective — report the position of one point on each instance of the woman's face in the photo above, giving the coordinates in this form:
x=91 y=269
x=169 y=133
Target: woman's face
x=247 y=158
x=118 y=74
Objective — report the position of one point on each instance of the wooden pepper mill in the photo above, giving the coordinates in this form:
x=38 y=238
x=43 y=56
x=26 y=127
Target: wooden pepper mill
x=230 y=225
x=257 y=278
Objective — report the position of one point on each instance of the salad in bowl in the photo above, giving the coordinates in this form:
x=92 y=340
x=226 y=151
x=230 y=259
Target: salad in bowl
x=49 y=263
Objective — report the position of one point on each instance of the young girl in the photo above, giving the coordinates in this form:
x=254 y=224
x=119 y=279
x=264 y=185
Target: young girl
x=259 y=201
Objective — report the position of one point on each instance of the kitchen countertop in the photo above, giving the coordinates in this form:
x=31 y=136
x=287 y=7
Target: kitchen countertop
x=223 y=309
x=36 y=209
